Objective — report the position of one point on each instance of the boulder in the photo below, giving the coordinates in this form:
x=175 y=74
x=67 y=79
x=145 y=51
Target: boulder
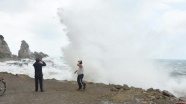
x=166 y=93
x=4 y=49
x=158 y=90
x=118 y=86
x=126 y=87
x=150 y=89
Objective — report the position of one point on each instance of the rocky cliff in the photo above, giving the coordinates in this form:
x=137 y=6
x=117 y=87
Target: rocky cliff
x=4 y=49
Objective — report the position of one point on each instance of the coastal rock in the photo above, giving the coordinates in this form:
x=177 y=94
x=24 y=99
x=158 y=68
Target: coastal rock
x=150 y=89
x=118 y=86
x=166 y=93
x=38 y=55
x=4 y=49
x=158 y=90
x=24 y=51
x=126 y=87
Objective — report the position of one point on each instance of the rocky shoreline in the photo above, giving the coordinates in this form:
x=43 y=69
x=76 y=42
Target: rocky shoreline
x=20 y=90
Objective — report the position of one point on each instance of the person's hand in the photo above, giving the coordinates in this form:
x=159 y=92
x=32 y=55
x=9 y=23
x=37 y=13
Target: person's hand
x=75 y=72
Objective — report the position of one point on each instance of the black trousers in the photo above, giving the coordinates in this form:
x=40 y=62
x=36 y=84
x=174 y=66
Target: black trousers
x=80 y=81
x=38 y=79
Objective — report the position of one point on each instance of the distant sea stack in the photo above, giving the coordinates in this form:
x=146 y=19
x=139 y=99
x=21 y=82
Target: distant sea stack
x=24 y=51
x=38 y=55
x=4 y=49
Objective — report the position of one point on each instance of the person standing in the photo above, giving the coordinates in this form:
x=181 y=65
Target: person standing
x=80 y=76
x=39 y=74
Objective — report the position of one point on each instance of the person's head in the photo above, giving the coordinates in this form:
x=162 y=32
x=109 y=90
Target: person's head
x=80 y=62
x=37 y=60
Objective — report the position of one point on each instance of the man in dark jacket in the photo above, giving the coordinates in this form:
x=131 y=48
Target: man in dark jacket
x=39 y=74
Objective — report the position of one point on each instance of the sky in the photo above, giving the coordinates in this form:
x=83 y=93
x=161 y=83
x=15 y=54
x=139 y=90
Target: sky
x=34 y=21
x=38 y=23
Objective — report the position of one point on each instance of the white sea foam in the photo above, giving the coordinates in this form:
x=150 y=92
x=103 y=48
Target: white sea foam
x=115 y=44
x=138 y=76
x=56 y=68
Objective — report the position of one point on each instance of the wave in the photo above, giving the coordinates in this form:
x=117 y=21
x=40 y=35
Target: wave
x=55 y=69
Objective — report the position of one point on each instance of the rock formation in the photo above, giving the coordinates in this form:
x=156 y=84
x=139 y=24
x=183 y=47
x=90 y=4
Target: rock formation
x=133 y=95
x=38 y=55
x=4 y=49
x=24 y=51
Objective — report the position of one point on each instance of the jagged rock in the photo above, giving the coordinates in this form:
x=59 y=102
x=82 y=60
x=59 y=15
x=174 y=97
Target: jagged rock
x=118 y=86
x=4 y=49
x=150 y=89
x=166 y=93
x=24 y=51
x=38 y=55
x=126 y=87
x=141 y=96
x=158 y=90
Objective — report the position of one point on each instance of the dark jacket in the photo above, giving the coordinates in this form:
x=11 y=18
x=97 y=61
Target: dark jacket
x=38 y=68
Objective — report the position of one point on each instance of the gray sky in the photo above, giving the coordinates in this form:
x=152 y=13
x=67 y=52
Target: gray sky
x=37 y=22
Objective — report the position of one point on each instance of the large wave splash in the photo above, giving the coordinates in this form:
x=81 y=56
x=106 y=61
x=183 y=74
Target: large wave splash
x=114 y=45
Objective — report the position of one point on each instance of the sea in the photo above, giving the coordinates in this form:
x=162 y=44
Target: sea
x=58 y=69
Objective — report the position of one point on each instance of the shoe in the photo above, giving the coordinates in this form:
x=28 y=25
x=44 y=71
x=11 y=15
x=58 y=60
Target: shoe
x=42 y=90
x=35 y=90
x=84 y=86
